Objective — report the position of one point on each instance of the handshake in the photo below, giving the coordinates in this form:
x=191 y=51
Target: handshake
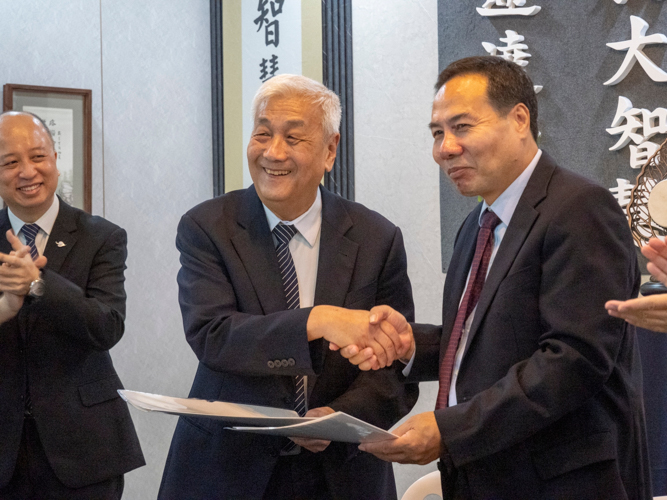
x=371 y=340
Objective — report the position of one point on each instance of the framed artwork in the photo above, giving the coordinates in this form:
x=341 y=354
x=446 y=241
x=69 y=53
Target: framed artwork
x=68 y=114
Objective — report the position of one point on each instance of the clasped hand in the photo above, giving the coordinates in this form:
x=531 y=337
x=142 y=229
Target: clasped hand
x=371 y=340
x=17 y=272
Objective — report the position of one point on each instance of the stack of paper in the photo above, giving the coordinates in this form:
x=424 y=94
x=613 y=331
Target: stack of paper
x=337 y=426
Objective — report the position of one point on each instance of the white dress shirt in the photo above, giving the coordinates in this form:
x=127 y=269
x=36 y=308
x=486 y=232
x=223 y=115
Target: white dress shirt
x=305 y=249
x=45 y=223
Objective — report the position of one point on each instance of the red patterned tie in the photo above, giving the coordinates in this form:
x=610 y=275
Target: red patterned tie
x=480 y=263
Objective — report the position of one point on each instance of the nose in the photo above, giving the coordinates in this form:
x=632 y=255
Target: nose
x=449 y=147
x=276 y=150
x=27 y=170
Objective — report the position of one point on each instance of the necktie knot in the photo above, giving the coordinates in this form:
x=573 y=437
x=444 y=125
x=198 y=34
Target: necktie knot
x=284 y=232
x=490 y=220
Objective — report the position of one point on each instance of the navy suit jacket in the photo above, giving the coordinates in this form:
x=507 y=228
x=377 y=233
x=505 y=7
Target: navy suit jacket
x=60 y=345
x=235 y=319
x=550 y=388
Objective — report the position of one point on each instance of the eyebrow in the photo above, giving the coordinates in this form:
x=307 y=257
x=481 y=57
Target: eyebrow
x=289 y=123
x=454 y=118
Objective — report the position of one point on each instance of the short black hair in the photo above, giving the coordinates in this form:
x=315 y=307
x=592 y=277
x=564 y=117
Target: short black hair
x=508 y=84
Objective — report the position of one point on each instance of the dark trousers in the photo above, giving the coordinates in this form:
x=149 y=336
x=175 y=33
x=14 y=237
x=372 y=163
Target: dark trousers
x=298 y=477
x=34 y=478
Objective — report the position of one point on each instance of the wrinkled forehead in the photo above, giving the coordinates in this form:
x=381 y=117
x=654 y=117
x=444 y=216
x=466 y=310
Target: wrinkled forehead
x=290 y=110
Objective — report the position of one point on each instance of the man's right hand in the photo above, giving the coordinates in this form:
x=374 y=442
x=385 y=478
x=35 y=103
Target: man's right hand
x=345 y=327
x=394 y=325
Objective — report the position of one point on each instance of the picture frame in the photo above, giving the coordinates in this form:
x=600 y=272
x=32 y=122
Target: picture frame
x=68 y=114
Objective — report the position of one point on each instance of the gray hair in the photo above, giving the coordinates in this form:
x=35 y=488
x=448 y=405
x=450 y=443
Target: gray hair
x=301 y=86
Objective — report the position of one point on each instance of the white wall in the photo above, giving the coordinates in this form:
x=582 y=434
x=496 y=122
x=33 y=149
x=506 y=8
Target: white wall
x=395 y=67
x=148 y=65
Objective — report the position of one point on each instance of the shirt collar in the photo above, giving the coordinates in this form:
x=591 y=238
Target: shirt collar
x=506 y=203
x=45 y=222
x=308 y=223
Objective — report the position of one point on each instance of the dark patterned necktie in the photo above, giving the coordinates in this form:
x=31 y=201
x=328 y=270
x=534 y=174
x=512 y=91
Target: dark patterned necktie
x=480 y=264
x=30 y=232
x=284 y=234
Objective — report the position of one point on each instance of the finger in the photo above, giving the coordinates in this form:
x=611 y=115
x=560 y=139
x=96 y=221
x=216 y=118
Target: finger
x=312 y=445
x=370 y=364
x=379 y=352
x=41 y=261
x=390 y=334
x=658 y=272
x=363 y=356
x=349 y=352
x=379 y=313
x=388 y=345
x=643 y=304
x=13 y=240
x=612 y=305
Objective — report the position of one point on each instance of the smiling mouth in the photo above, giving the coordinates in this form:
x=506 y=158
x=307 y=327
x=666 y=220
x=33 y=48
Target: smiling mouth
x=29 y=189
x=276 y=172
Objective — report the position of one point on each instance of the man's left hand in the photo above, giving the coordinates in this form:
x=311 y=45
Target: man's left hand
x=418 y=442
x=315 y=445
x=18 y=270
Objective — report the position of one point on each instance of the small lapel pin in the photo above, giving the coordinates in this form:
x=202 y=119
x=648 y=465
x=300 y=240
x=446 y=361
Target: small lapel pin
x=60 y=244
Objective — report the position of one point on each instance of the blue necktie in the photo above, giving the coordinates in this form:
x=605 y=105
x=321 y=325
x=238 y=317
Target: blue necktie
x=284 y=234
x=30 y=232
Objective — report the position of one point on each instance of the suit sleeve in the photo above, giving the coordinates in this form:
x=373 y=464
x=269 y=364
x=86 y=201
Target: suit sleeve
x=223 y=337
x=587 y=258
x=380 y=397
x=93 y=317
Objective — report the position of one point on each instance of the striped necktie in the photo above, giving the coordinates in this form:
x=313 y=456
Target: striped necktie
x=284 y=234
x=30 y=232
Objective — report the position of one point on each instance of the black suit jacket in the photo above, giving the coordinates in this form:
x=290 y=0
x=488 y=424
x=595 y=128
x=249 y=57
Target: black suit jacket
x=235 y=319
x=549 y=389
x=59 y=345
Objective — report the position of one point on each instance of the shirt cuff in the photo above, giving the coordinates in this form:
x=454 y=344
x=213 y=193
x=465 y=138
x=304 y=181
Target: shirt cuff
x=408 y=366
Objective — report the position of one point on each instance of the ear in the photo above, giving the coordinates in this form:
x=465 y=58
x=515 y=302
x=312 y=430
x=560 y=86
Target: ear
x=332 y=146
x=521 y=117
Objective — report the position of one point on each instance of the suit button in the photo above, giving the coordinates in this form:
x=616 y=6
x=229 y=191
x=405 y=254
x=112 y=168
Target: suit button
x=284 y=363
x=291 y=362
x=270 y=364
x=276 y=363
x=287 y=400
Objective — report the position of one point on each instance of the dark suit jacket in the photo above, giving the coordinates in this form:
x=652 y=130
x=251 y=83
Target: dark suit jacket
x=60 y=344
x=235 y=319
x=549 y=389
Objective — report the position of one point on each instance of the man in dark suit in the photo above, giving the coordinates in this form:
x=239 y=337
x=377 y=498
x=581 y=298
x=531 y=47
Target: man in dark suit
x=64 y=431
x=540 y=390
x=252 y=347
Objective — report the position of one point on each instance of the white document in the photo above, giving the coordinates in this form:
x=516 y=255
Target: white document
x=229 y=412
x=337 y=426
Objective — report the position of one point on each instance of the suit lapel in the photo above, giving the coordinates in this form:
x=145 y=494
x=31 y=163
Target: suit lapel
x=5 y=225
x=457 y=273
x=62 y=238
x=254 y=246
x=519 y=227
x=338 y=254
